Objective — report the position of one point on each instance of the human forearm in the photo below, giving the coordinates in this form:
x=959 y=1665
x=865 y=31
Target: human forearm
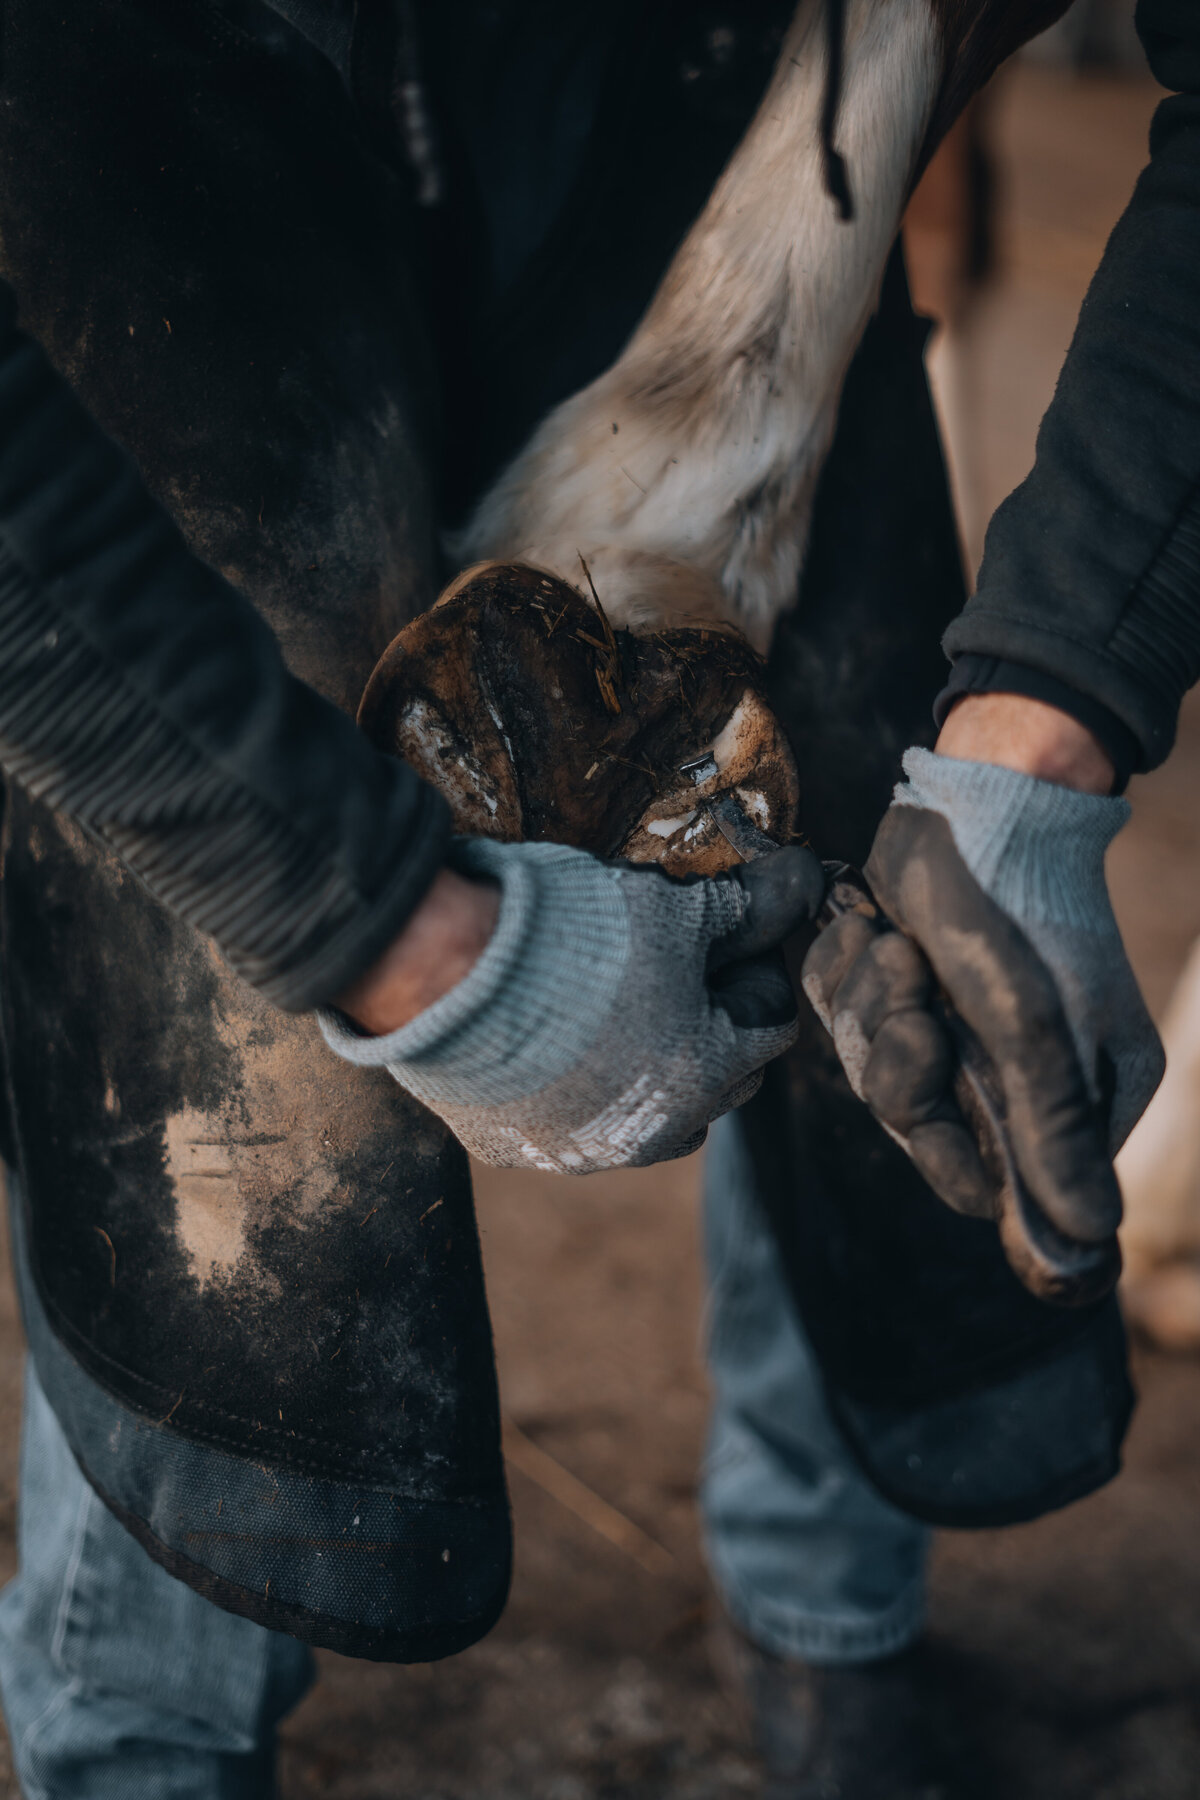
x=141 y=695
x=1028 y=736
x=440 y=943
x=1091 y=572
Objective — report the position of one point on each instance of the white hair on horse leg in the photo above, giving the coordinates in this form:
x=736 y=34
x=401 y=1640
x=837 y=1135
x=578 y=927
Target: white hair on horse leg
x=702 y=443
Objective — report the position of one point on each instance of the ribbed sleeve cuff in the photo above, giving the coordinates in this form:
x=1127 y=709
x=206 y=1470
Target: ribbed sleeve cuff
x=1037 y=848
x=515 y=1023
x=145 y=698
x=1133 y=676
x=995 y=675
x=334 y=961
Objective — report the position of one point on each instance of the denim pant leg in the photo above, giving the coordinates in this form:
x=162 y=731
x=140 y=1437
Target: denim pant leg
x=119 y=1682
x=807 y=1557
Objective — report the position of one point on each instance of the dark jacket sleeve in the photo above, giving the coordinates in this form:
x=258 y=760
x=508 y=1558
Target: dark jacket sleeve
x=1091 y=570
x=143 y=696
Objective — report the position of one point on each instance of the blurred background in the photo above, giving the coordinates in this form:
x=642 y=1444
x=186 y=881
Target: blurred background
x=1073 y=1644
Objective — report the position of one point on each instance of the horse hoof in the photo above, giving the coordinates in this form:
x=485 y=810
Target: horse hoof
x=538 y=718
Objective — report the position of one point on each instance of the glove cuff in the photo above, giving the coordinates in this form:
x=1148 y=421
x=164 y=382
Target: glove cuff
x=1037 y=849
x=514 y=1023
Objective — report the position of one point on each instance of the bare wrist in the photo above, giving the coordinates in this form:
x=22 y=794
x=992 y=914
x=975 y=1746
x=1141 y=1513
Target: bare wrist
x=441 y=943
x=1029 y=736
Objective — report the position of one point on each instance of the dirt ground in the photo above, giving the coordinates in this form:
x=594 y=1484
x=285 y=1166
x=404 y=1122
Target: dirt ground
x=1073 y=1644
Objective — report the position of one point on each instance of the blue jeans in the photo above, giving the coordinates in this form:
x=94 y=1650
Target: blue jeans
x=806 y=1556
x=118 y=1681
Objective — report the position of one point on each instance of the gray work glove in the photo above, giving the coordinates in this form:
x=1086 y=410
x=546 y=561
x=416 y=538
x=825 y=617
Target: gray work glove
x=614 y=1013
x=996 y=882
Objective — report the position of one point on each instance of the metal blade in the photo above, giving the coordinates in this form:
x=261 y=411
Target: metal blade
x=738 y=828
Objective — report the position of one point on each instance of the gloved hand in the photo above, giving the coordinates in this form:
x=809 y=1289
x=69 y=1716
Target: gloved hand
x=614 y=1013
x=996 y=881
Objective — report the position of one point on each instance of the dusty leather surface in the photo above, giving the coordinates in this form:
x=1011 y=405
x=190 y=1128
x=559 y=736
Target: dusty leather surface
x=233 y=1232
x=244 y=1245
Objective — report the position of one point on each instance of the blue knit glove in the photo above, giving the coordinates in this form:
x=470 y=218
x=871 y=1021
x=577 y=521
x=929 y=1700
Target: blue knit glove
x=996 y=881
x=614 y=1013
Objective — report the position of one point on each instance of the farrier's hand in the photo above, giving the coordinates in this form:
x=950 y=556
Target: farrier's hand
x=613 y=1014
x=996 y=880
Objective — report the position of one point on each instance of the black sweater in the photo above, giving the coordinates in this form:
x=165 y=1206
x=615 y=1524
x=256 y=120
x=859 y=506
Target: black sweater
x=144 y=696
x=141 y=694
x=1089 y=590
